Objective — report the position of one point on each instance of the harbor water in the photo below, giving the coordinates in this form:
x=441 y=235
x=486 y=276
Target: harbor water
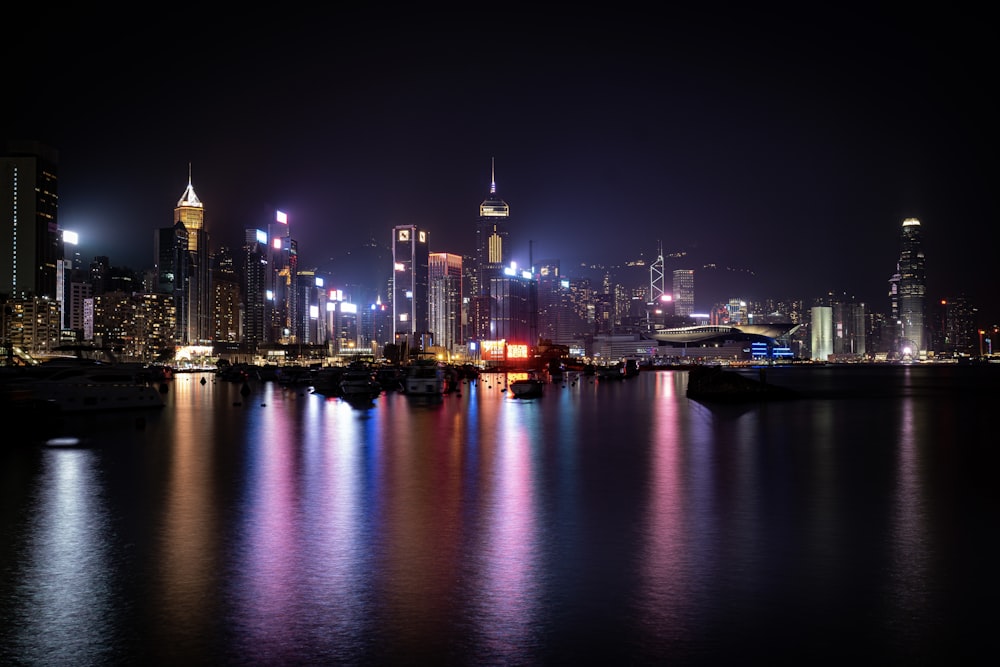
x=615 y=522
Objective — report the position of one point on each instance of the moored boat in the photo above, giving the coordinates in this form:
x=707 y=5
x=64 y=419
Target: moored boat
x=87 y=387
x=358 y=381
x=530 y=386
x=425 y=377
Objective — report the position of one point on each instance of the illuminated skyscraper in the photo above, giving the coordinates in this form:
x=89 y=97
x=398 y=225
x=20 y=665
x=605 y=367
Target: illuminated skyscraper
x=410 y=326
x=254 y=285
x=491 y=258
x=912 y=290
x=445 y=299
x=29 y=233
x=683 y=289
x=197 y=327
x=491 y=238
x=515 y=309
x=821 y=330
x=283 y=263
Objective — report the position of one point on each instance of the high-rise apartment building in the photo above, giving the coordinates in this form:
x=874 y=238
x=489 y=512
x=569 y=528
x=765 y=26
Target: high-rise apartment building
x=912 y=291
x=410 y=257
x=30 y=245
x=444 y=284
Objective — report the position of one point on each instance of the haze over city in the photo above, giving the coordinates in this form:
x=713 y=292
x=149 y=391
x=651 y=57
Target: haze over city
x=788 y=147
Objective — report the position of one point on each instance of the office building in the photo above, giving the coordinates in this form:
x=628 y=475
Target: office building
x=283 y=262
x=514 y=318
x=683 y=292
x=254 y=286
x=196 y=322
x=172 y=271
x=912 y=291
x=491 y=251
x=821 y=333
x=410 y=297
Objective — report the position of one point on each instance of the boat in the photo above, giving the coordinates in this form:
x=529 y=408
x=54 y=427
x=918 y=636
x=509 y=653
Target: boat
x=530 y=386
x=326 y=380
x=358 y=382
x=390 y=378
x=425 y=377
x=615 y=371
x=84 y=386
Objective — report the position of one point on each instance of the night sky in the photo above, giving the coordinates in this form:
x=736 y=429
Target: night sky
x=784 y=148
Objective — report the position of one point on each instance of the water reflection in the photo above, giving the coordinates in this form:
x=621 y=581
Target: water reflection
x=616 y=522
x=183 y=589
x=67 y=590
x=507 y=554
x=667 y=561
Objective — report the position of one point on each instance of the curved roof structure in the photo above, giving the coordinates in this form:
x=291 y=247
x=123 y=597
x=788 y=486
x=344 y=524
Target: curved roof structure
x=719 y=332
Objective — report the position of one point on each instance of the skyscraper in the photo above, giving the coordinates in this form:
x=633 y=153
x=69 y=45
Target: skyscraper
x=683 y=288
x=444 y=281
x=491 y=237
x=912 y=291
x=170 y=252
x=254 y=287
x=283 y=262
x=190 y=213
x=821 y=330
x=29 y=202
x=491 y=257
x=410 y=254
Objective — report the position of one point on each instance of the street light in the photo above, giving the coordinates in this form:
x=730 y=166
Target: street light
x=981 y=332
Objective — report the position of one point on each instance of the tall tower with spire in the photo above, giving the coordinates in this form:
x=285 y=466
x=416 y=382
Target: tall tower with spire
x=191 y=212
x=197 y=321
x=491 y=255
x=491 y=237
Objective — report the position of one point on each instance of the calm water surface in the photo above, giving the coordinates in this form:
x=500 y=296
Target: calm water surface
x=603 y=522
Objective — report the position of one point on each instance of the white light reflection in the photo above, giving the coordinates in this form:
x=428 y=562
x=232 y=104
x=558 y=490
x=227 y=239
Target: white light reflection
x=909 y=541
x=68 y=584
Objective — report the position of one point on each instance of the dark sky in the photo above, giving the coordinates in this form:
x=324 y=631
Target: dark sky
x=786 y=146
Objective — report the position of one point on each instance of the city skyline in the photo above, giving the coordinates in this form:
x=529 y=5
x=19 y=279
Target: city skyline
x=793 y=149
